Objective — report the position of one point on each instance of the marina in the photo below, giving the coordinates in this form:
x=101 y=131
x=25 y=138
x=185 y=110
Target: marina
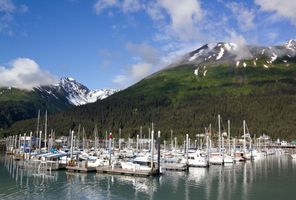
x=139 y=99
x=140 y=157
x=244 y=180
x=217 y=166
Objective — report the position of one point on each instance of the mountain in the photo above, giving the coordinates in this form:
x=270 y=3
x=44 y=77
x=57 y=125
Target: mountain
x=239 y=82
x=231 y=53
x=223 y=68
x=76 y=93
x=17 y=104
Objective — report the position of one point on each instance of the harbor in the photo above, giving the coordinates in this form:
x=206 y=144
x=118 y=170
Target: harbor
x=142 y=165
x=144 y=100
x=245 y=180
x=139 y=156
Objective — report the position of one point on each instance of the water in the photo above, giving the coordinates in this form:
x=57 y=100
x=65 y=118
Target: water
x=270 y=178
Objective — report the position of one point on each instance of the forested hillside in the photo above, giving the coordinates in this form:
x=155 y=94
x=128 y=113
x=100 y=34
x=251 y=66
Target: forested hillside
x=187 y=96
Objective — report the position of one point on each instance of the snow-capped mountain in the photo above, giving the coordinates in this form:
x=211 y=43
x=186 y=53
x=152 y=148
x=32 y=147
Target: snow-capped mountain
x=75 y=92
x=238 y=55
x=18 y=104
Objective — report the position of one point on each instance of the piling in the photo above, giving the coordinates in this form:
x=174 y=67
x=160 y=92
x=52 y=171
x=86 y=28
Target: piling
x=152 y=149
x=158 y=153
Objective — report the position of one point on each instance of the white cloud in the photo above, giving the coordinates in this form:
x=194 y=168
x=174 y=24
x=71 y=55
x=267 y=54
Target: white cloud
x=241 y=51
x=178 y=22
x=140 y=70
x=5 y=20
x=24 y=73
x=154 y=11
x=7 y=11
x=124 y=5
x=284 y=8
x=183 y=17
x=102 y=4
x=120 y=79
x=7 y=6
x=244 y=16
x=146 y=62
x=144 y=51
x=236 y=38
x=135 y=73
x=131 y=5
x=182 y=26
x=272 y=36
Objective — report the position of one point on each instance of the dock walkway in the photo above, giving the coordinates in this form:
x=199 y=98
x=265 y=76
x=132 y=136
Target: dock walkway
x=80 y=169
x=174 y=167
x=120 y=171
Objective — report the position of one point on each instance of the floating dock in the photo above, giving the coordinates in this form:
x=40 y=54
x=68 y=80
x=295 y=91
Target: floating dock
x=80 y=169
x=128 y=172
x=174 y=167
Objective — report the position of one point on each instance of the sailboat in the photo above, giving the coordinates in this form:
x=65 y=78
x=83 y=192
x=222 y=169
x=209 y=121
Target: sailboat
x=219 y=158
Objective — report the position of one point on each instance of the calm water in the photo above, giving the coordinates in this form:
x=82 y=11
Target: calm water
x=271 y=178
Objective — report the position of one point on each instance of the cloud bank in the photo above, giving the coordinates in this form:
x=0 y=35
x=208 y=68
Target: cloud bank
x=283 y=8
x=24 y=73
x=182 y=26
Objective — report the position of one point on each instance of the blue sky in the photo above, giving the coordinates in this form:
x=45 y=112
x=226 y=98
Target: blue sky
x=115 y=43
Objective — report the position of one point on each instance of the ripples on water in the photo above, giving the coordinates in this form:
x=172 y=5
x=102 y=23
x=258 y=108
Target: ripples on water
x=270 y=178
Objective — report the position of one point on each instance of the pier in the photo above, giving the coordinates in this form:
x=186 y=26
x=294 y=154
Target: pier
x=174 y=167
x=128 y=172
x=80 y=169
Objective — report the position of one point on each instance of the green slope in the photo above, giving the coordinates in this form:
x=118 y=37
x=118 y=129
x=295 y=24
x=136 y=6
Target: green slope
x=177 y=99
x=16 y=104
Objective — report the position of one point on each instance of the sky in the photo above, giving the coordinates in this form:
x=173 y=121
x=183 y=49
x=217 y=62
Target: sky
x=115 y=43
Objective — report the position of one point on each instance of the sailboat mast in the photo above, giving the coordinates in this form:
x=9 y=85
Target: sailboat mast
x=45 y=131
x=244 y=125
x=37 y=128
x=78 y=137
x=229 y=151
x=219 y=131
x=96 y=137
x=119 y=142
x=171 y=138
x=141 y=137
x=83 y=135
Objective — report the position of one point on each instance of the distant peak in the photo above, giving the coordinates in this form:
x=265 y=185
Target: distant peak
x=71 y=79
x=292 y=41
x=291 y=45
x=68 y=79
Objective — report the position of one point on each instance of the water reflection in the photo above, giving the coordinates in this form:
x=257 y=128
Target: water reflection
x=20 y=173
x=260 y=179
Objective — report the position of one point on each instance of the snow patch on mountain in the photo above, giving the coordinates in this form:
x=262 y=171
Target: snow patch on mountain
x=237 y=54
x=78 y=94
x=220 y=54
x=291 y=44
x=74 y=92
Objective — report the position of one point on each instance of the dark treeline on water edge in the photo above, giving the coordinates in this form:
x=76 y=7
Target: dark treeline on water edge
x=265 y=114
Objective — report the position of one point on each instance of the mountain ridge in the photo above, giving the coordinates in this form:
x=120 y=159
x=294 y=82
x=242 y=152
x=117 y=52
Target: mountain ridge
x=20 y=104
x=77 y=93
x=187 y=97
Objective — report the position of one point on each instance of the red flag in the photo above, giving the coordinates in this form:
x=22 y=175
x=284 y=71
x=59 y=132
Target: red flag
x=110 y=135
